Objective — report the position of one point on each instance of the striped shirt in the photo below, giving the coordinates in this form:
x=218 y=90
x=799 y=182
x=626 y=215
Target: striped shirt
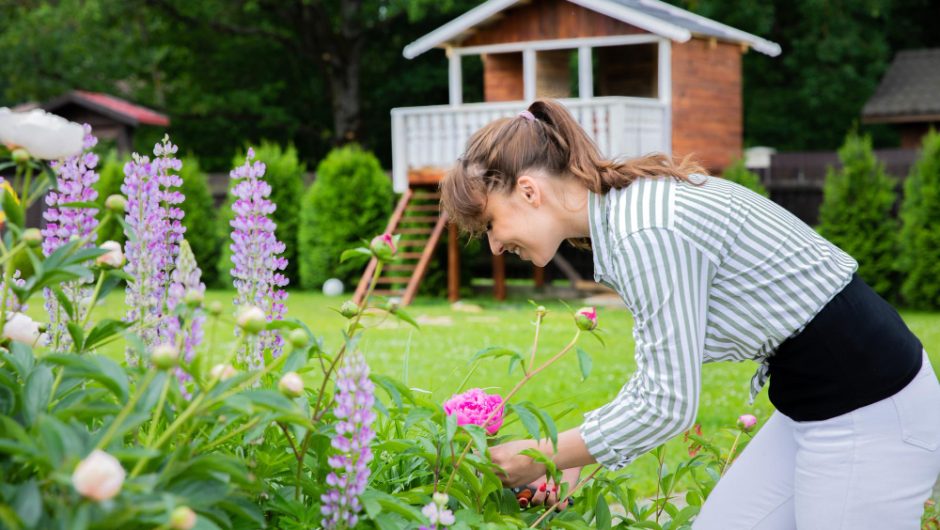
x=710 y=272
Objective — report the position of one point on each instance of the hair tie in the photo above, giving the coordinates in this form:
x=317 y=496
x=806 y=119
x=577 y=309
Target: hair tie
x=527 y=115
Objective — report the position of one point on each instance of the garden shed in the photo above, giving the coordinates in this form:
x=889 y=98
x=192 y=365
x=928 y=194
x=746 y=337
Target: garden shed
x=639 y=75
x=908 y=96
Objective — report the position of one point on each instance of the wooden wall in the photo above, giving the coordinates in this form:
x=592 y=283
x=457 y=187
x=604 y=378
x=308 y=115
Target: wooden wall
x=627 y=70
x=548 y=19
x=707 y=116
x=502 y=77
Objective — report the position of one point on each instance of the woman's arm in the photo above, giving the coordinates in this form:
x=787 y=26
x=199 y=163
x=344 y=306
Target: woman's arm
x=520 y=469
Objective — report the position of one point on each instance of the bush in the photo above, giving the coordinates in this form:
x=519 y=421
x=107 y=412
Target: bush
x=920 y=237
x=856 y=214
x=200 y=217
x=351 y=199
x=285 y=173
x=738 y=173
x=110 y=178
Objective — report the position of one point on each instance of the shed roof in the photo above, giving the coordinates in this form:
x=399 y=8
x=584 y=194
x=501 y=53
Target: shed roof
x=654 y=16
x=115 y=108
x=909 y=90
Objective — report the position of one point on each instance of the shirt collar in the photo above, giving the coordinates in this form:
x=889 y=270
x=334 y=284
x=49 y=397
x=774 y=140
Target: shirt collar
x=599 y=229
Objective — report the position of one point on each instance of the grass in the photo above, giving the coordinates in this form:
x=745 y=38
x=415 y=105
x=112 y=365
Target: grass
x=435 y=359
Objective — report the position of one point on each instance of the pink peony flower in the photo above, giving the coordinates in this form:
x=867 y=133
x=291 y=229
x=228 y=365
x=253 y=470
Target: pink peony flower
x=474 y=406
x=586 y=318
x=747 y=422
x=383 y=246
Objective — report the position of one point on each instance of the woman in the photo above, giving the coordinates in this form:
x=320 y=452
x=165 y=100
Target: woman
x=712 y=271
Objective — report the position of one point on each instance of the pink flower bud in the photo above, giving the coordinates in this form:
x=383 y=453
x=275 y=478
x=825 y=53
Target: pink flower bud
x=222 y=372
x=474 y=406
x=114 y=257
x=383 y=247
x=586 y=318
x=182 y=518
x=746 y=422
x=291 y=385
x=251 y=319
x=165 y=356
x=99 y=476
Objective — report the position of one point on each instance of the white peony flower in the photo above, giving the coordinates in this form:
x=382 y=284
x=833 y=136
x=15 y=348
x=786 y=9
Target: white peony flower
x=99 y=476
x=21 y=328
x=42 y=134
x=291 y=385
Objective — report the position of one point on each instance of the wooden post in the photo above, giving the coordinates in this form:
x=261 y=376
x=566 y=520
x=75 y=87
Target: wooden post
x=453 y=264
x=539 y=277
x=499 y=277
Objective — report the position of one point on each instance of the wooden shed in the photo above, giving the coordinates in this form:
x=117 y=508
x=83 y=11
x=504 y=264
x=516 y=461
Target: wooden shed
x=110 y=117
x=639 y=75
x=908 y=96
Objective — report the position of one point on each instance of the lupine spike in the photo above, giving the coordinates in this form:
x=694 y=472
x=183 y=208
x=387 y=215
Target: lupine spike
x=186 y=277
x=76 y=177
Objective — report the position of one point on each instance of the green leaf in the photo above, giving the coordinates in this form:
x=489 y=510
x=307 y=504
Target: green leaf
x=495 y=352
x=12 y=209
x=20 y=357
x=528 y=419
x=36 y=392
x=395 y=388
x=478 y=435
x=355 y=253
x=28 y=503
x=585 y=363
x=80 y=204
x=402 y=315
x=450 y=427
x=548 y=425
x=602 y=514
x=64 y=301
x=104 y=330
x=77 y=334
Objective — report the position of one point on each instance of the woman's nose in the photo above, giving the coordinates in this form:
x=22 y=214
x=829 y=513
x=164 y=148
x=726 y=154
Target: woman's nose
x=495 y=247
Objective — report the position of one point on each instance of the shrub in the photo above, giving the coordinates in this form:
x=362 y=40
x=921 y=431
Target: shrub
x=920 y=237
x=285 y=173
x=200 y=217
x=856 y=213
x=737 y=172
x=351 y=197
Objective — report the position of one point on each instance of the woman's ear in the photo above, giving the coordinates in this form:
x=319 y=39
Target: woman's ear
x=529 y=190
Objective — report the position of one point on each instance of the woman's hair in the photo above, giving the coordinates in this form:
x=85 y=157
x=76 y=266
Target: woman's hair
x=544 y=138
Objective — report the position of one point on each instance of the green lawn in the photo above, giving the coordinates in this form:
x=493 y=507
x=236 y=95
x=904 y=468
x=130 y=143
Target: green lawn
x=435 y=359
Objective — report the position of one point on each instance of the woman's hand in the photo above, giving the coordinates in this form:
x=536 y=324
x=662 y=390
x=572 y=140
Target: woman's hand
x=547 y=492
x=518 y=470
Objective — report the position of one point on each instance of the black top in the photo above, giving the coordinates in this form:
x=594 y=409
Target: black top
x=854 y=352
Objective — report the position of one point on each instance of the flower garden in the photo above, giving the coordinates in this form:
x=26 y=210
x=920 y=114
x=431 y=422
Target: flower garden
x=130 y=397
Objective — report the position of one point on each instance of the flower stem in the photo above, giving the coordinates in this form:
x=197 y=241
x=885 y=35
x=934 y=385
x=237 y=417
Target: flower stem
x=566 y=497
x=126 y=410
x=94 y=298
x=153 y=425
x=229 y=436
x=728 y=460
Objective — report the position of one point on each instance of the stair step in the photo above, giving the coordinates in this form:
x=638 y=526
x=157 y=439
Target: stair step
x=423 y=208
x=412 y=242
x=426 y=196
x=414 y=231
x=394 y=279
x=410 y=255
x=419 y=219
x=399 y=267
x=389 y=292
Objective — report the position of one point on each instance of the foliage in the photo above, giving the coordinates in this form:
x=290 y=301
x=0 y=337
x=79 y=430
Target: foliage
x=737 y=172
x=856 y=214
x=110 y=178
x=350 y=197
x=920 y=238
x=285 y=173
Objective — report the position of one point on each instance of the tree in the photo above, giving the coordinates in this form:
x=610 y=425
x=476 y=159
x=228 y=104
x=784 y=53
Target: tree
x=856 y=214
x=920 y=238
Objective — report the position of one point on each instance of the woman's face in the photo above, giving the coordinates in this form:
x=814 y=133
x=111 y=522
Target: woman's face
x=518 y=222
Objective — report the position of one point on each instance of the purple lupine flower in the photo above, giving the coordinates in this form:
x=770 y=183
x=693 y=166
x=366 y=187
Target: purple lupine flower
x=155 y=221
x=14 y=305
x=76 y=177
x=186 y=278
x=355 y=395
x=256 y=257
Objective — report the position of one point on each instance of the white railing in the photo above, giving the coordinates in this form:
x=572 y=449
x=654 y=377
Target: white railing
x=434 y=136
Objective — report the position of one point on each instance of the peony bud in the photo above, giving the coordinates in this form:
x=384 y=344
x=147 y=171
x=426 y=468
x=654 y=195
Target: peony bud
x=165 y=356
x=116 y=203
x=291 y=385
x=20 y=156
x=251 y=319
x=298 y=338
x=113 y=258
x=99 y=476
x=32 y=237
x=215 y=308
x=383 y=247
x=21 y=328
x=393 y=304
x=222 y=372
x=746 y=422
x=182 y=518
x=440 y=499
x=541 y=311
x=194 y=297
x=349 y=309
x=586 y=318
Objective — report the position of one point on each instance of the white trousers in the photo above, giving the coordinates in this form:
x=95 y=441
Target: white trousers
x=870 y=468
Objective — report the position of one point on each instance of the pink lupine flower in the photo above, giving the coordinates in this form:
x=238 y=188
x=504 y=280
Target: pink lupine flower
x=746 y=422
x=586 y=318
x=474 y=406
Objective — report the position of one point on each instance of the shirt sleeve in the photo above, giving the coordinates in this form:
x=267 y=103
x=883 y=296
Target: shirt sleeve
x=664 y=281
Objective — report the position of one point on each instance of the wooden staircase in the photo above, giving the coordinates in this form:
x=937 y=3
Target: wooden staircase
x=419 y=221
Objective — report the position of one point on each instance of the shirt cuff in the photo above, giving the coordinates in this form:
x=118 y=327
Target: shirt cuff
x=593 y=438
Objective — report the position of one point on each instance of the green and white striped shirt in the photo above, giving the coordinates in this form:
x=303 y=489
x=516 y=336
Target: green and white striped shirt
x=711 y=272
